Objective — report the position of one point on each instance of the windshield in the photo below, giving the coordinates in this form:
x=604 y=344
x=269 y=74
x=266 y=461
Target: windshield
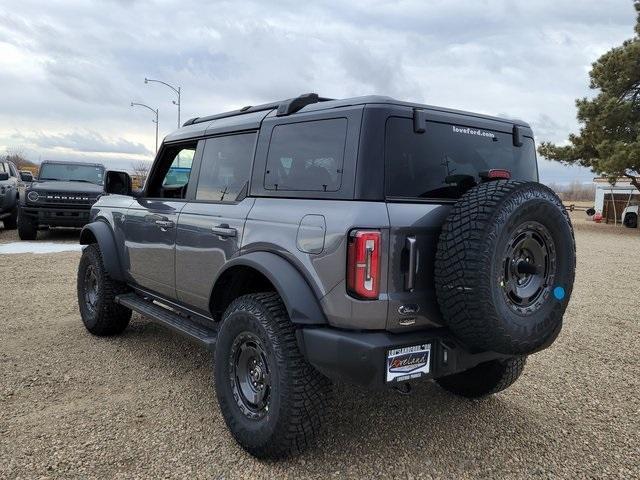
x=445 y=160
x=72 y=172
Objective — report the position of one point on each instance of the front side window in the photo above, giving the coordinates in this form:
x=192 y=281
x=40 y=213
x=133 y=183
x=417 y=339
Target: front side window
x=307 y=156
x=446 y=159
x=226 y=166
x=72 y=172
x=169 y=177
x=3 y=169
x=180 y=170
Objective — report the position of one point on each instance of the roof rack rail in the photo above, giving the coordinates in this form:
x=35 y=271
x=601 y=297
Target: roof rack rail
x=284 y=107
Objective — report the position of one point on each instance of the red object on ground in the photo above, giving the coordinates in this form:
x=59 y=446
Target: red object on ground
x=597 y=218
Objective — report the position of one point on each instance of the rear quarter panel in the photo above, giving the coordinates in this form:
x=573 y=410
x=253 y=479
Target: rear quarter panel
x=273 y=225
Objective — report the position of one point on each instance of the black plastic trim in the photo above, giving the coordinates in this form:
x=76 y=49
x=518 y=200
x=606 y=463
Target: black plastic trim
x=298 y=297
x=360 y=357
x=103 y=234
x=419 y=121
x=517 y=136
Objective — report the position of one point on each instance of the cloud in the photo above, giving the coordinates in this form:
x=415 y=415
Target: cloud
x=82 y=142
x=76 y=66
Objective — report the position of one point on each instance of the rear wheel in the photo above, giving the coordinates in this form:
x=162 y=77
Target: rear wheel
x=100 y=313
x=272 y=400
x=631 y=220
x=27 y=227
x=484 y=379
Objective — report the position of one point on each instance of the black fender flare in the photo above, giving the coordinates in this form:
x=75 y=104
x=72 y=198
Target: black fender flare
x=103 y=235
x=298 y=297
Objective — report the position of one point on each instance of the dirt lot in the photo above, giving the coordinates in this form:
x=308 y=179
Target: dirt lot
x=142 y=405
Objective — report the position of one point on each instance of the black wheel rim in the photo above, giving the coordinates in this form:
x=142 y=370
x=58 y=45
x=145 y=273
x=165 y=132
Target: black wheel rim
x=250 y=376
x=91 y=288
x=528 y=268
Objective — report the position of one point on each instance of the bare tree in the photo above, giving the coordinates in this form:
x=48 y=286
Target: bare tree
x=140 y=171
x=19 y=159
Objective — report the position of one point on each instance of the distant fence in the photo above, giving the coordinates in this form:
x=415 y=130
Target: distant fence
x=572 y=207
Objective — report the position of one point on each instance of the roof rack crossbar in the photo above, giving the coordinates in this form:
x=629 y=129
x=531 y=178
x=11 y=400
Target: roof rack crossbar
x=284 y=107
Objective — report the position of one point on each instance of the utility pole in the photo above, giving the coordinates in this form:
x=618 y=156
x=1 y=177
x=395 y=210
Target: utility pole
x=155 y=112
x=176 y=90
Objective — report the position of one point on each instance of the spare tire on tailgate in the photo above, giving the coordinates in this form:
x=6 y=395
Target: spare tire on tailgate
x=505 y=267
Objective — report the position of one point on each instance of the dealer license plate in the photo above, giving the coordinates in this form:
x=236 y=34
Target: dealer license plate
x=408 y=363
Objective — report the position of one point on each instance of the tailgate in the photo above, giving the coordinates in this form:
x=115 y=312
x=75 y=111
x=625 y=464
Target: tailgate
x=413 y=238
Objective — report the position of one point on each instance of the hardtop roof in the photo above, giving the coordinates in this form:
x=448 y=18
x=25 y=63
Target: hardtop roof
x=247 y=117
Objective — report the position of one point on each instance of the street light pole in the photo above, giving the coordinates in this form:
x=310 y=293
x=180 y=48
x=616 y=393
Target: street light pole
x=177 y=90
x=133 y=104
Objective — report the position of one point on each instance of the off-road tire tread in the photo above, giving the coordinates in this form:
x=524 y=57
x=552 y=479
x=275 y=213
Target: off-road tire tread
x=11 y=222
x=306 y=407
x=27 y=230
x=461 y=257
x=497 y=375
x=112 y=318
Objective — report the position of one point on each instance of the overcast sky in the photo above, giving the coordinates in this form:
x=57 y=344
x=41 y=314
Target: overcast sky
x=69 y=70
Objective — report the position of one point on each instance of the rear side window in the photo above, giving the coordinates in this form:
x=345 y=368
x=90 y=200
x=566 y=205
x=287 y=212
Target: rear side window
x=444 y=160
x=226 y=166
x=307 y=156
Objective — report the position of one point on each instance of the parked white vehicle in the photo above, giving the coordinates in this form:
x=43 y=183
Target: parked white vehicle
x=630 y=216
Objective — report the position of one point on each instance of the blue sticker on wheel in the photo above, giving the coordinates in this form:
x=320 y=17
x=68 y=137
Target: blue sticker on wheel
x=559 y=293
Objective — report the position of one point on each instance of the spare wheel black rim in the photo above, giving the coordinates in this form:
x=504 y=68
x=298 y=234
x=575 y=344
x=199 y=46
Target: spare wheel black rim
x=528 y=268
x=250 y=375
x=91 y=288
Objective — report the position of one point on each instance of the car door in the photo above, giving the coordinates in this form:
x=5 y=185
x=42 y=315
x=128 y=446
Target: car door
x=211 y=225
x=151 y=220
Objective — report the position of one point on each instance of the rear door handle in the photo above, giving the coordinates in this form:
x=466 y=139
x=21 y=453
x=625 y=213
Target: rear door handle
x=165 y=224
x=224 y=230
x=410 y=277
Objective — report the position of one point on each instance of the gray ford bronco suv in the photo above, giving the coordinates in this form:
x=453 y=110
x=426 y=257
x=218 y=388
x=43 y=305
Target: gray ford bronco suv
x=61 y=197
x=9 y=190
x=364 y=240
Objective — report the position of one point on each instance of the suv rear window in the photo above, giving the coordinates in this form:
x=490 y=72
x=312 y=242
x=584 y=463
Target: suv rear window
x=306 y=156
x=441 y=162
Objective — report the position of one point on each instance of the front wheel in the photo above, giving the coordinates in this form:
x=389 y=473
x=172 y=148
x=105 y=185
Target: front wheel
x=272 y=400
x=11 y=222
x=100 y=313
x=484 y=379
x=27 y=227
x=631 y=220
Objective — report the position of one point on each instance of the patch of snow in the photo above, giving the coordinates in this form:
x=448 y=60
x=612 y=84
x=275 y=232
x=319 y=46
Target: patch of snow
x=38 y=247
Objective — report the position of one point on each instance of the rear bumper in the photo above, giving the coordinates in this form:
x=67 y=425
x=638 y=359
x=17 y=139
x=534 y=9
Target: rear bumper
x=58 y=217
x=361 y=357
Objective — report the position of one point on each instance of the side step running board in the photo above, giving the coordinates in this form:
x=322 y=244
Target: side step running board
x=169 y=318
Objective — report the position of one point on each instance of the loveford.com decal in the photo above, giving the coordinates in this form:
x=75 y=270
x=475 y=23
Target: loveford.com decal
x=408 y=363
x=472 y=131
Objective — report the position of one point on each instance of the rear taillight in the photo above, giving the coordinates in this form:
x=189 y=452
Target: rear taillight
x=363 y=264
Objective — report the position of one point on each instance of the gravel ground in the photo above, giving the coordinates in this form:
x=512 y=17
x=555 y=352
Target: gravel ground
x=142 y=405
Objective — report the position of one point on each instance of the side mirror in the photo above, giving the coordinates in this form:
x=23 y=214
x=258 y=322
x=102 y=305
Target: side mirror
x=4 y=176
x=26 y=176
x=117 y=183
